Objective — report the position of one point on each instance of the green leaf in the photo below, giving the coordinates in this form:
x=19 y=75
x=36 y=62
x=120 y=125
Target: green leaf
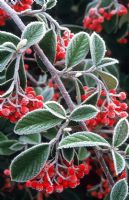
x=97 y=48
x=107 y=62
x=29 y=163
x=83 y=153
x=36 y=122
x=22 y=75
x=17 y=147
x=127 y=197
x=9 y=90
x=127 y=150
x=110 y=81
x=92 y=99
x=3 y=136
x=119 y=162
x=77 y=49
x=68 y=154
x=84 y=112
x=49 y=50
x=51 y=3
x=56 y=109
x=8 y=37
x=8 y=46
x=5 y=58
x=119 y=190
x=83 y=139
x=5 y=147
x=33 y=32
x=30 y=139
x=121 y=132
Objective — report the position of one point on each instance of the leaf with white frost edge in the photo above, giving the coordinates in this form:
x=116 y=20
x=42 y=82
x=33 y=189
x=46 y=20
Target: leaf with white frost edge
x=84 y=112
x=56 y=109
x=29 y=163
x=36 y=121
x=77 y=49
x=119 y=190
x=83 y=139
x=121 y=132
x=107 y=62
x=33 y=33
x=97 y=48
x=119 y=162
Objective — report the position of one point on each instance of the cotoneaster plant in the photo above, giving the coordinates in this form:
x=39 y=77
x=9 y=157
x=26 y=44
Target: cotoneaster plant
x=78 y=124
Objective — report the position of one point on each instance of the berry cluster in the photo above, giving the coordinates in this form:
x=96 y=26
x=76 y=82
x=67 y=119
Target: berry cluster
x=18 y=106
x=62 y=43
x=56 y=179
x=19 y=6
x=109 y=112
x=96 y=16
x=100 y=189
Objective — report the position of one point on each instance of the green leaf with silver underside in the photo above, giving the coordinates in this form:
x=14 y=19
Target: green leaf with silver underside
x=119 y=162
x=8 y=37
x=77 y=49
x=121 y=133
x=56 y=109
x=36 y=121
x=84 y=112
x=97 y=48
x=119 y=190
x=83 y=139
x=33 y=33
x=29 y=163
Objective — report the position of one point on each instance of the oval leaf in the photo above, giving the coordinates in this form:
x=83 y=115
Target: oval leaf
x=119 y=191
x=33 y=33
x=84 y=112
x=121 y=132
x=119 y=162
x=56 y=109
x=77 y=49
x=110 y=81
x=83 y=139
x=97 y=48
x=36 y=122
x=29 y=163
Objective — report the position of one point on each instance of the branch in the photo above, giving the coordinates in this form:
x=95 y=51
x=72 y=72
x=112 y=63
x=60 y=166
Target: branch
x=57 y=79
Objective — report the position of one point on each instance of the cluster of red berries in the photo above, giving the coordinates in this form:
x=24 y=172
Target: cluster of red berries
x=52 y=179
x=62 y=43
x=16 y=108
x=109 y=112
x=100 y=189
x=19 y=6
x=97 y=15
